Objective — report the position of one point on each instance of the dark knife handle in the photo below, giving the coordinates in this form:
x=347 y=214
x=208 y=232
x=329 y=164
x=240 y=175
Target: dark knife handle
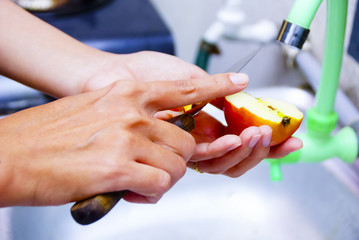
x=94 y=208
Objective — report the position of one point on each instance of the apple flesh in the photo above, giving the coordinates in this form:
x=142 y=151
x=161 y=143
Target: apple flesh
x=243 y=110
x=182 y=109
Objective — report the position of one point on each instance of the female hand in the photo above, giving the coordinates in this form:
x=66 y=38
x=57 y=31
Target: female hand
x=101 y=141
x=219 y=152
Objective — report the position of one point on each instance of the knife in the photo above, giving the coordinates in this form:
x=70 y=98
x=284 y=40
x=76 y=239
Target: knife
x=94 y=208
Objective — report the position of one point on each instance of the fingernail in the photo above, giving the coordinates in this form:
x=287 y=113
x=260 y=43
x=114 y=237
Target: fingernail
x=239 y=78
x=266 y=139
x=254 y=140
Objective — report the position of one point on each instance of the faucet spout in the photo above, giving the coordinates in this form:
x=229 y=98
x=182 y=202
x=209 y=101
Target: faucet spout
x=295 y=30
x=293 y=34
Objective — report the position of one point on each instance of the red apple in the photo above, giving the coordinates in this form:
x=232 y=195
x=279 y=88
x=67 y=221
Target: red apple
x=243 y=110
x=218 y=102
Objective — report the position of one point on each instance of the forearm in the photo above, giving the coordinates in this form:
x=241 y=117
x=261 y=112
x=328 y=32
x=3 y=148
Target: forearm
x=40 y=56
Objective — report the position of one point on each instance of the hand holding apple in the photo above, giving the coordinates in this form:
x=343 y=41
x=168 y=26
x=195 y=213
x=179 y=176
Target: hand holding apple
x=243 y=110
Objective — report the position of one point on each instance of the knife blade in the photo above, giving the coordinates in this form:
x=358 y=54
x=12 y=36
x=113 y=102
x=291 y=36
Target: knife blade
x=238 y=66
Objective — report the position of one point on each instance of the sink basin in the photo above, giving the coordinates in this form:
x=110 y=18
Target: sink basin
x=309 y=204
x=312 y=202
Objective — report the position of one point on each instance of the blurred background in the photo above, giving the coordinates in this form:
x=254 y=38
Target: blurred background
x=313 y=201
x=188 y=21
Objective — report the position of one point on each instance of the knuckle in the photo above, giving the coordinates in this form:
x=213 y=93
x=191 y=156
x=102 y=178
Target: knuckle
x=128 y=88
x=178 y=169
x=135 y=118
x=221 y=82
x=189 y=141
x=163 y=183
x=125 y=139
x=182 y=167
x=187 y=147
x=186 y=87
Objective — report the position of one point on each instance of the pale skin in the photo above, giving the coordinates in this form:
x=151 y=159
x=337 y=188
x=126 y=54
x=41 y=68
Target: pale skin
x=97 y=137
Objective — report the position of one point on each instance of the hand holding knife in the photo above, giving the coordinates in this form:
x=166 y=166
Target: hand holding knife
x=94 y=208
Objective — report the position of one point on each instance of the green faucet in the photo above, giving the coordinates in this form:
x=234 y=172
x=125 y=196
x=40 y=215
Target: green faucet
x=319 y=142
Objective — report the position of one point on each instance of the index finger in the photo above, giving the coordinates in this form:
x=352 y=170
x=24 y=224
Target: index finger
x=163 y=95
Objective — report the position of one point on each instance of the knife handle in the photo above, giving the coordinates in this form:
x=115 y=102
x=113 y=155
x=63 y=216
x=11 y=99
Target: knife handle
x=94 y=208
